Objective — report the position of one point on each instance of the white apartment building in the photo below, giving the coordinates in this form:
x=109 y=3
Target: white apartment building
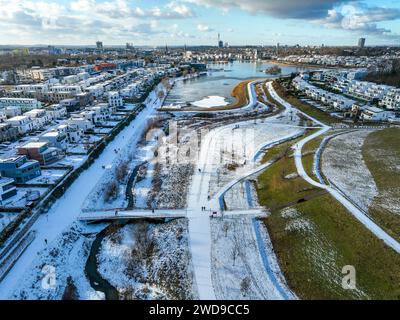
x=376 y=114
x=57 y=111
x=115 y=100
x=39 y=117
x=24 y=124
x=24 y=104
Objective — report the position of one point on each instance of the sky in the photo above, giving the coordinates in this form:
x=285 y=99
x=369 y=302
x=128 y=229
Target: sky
x=198 y=22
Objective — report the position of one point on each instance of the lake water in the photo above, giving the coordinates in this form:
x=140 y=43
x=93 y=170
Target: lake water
x=220 y=82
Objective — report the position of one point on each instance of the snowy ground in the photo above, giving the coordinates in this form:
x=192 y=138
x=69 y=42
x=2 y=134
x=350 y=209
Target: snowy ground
x=343 y=164
x=21 y=198
x=238 y=271
x=148 y=261
x=72 y=160
x=64 y=258
x=6 y=218
x=242 y=196
x=49 y=176
x=236 y=148
x=211 y=101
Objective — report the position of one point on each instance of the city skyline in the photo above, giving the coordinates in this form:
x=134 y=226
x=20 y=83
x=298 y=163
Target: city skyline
x=156 y=23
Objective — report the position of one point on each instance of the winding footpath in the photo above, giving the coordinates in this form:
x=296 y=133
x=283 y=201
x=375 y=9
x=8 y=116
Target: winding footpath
x=199 y=221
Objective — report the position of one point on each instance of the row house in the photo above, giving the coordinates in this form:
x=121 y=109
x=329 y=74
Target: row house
x=57 y=111
x=376 y=114
x=8 y=132
x=80 y=122
x=24 y=104
x=391 y=100
x=23 y=124
x=39 y=118
x=115 y=100
x=40 y=151
x=55 y=139
x=11 y=112
x=73 y=133
x=7 y=188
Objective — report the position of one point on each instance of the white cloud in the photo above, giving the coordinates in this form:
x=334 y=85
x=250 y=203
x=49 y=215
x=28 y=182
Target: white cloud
x=204 y=28
x=46 y=20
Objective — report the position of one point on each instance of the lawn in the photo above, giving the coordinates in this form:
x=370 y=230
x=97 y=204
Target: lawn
x=381 y=153
x=319 y=237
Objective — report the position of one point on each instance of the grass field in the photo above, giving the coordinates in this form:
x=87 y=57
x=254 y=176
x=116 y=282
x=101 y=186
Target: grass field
x=315 y=237
x=381 y=153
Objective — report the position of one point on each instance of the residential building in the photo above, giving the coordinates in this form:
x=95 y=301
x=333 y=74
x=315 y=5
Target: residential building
x=40 y=151
x=24 y=124
x=8 y=132
x=24 y=104
x=376 y=114
x=115 y=100
x=55 y=139
x=20 y=168
x=7 y=188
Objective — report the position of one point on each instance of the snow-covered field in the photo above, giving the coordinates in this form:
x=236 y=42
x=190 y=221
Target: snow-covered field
x=211 y=101
x=62 y=262
x=241 y=196
x=236 y=148
x=238 y=271
x=21 y=198
x=343 y=164
x=149 y=261
x=6 y=218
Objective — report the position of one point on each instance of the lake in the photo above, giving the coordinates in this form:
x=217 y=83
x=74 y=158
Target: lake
x=220 y=81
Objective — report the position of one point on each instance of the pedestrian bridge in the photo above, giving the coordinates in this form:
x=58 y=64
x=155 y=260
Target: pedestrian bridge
x=118 y=214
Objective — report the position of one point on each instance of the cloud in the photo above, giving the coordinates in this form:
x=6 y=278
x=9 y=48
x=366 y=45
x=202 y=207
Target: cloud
x=204 y=28
x=361 y=19
x=121 y=9
x=86 y=19
x=294 y=9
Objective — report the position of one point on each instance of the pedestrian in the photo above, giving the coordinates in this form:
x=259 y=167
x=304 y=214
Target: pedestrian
x=152 y=210
x=45 y=240
x=116 y=212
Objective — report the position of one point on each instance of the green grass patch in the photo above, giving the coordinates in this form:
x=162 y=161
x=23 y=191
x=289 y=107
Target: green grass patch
x=381 y=153
x=312 y=258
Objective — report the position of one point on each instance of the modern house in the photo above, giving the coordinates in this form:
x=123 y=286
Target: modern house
x=7 y=188
x=19 y=168
x=115 y=100
x=55 y=139
x=376 y=114
x=8 y=132
x=39 y=151
x=24 y=124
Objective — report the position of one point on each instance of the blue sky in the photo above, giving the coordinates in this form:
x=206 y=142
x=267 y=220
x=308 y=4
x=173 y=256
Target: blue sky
x=178 y=22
